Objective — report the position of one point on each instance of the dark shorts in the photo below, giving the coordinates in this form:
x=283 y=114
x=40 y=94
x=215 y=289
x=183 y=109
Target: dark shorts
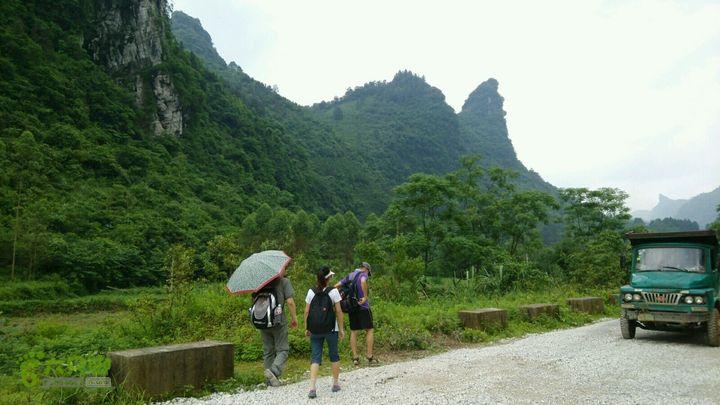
x=316 y=346
x=361 y=319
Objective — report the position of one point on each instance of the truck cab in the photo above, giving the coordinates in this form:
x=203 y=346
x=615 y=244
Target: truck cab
x=673 y=284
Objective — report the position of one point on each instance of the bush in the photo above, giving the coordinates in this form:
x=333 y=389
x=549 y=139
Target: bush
x=35 y=290
x=105 y=301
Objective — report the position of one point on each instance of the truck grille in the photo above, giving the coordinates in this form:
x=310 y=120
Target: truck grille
x=660 y=298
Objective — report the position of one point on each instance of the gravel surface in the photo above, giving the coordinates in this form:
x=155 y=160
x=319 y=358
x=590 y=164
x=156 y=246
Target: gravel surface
x=590 y=364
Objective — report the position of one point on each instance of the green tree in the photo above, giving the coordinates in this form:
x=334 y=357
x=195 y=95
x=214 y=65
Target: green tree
x=594 y=221
x=179 y=267
x=521 y=214
x=425 y=203
x=589 y=212
x=339 y=233
x=27 y=172
x=305 y=228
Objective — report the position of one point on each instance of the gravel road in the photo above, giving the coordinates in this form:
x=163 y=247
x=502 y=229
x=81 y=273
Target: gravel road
x=590 y=364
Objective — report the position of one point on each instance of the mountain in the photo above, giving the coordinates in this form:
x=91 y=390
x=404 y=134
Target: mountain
x=703 y=208
x=665 y=208
x=115 y=144
x=378 y=134
x=484 y=132
x=405 y=126
x=337 y=171
x=400 y=127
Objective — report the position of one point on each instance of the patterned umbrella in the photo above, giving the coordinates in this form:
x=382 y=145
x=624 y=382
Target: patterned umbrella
x=257 y=271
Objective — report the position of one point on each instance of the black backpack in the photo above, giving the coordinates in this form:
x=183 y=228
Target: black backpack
x=349 y=295
x=321 y=316
x=264 y=308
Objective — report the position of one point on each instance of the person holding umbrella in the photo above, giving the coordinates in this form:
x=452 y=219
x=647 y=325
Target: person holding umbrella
x=262 y=274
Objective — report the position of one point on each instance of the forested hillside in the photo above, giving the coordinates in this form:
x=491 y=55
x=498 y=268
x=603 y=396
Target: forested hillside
x=386 y=130
x=340 y=171
x=402 y=127
x=116 y=144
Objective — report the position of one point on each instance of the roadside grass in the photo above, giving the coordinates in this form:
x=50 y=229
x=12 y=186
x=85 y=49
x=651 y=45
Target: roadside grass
x=30 y=298
x=150 y=317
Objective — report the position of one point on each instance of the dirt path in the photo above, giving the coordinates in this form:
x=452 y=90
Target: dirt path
x=590 y=364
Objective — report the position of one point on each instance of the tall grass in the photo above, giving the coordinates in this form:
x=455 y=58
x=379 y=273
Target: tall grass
x=206 y=311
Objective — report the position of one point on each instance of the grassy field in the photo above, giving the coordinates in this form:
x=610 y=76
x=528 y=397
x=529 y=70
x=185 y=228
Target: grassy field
x=39 y=340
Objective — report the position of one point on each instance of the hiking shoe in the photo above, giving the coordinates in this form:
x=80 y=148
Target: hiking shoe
x=272 y=378
x=372 y=361
x=356 y=361
x=312 y=394
x=336 y=387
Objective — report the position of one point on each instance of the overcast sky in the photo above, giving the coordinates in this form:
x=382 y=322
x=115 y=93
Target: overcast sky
x=598 y=93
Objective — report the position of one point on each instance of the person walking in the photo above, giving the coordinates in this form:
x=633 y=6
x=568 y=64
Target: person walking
x=276 y=346
x=361 y=319
x=324 y=323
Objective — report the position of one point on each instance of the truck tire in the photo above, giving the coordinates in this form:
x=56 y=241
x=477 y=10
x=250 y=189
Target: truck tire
x=713 y=328
x=627 y=327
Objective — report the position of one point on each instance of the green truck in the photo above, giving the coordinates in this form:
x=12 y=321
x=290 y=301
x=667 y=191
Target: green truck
x=674 y=284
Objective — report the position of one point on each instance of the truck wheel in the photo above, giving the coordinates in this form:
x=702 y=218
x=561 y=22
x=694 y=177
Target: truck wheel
x=713 y=328
x=627 y=327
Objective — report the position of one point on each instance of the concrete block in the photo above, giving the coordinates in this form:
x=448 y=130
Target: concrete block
x=591 y=305
x=484 y=318
x=532 y=311
x=163 y=369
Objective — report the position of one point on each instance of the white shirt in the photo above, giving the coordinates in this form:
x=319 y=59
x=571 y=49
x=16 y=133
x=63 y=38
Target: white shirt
x=334 y=297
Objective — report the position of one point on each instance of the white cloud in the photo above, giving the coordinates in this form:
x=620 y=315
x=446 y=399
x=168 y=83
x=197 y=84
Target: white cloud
x=598 y=93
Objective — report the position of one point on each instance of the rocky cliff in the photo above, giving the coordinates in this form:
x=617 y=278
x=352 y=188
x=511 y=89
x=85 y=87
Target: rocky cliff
x=128 y=39
x=484 y=132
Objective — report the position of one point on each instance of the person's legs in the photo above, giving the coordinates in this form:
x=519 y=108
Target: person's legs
x=367 y=324
x=268 y=347
x=316 y=346
x=282 y=350
x=334 y=355
x=369 y=342
x=353 y=343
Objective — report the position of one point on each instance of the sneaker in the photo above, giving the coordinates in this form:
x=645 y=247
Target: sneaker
x=356 y=361
x=372 y=361
x=312 y=394
x=336 y=387
x=272 y=378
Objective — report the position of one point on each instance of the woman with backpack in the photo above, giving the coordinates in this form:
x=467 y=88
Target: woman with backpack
x=324 y=323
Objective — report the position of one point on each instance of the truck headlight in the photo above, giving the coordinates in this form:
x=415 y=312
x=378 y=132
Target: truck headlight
x=689 y=299
x=699 y=300
x=628 y=297
x=636 y=297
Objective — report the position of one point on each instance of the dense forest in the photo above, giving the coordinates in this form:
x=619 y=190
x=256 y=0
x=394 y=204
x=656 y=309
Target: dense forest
x=89 y=188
